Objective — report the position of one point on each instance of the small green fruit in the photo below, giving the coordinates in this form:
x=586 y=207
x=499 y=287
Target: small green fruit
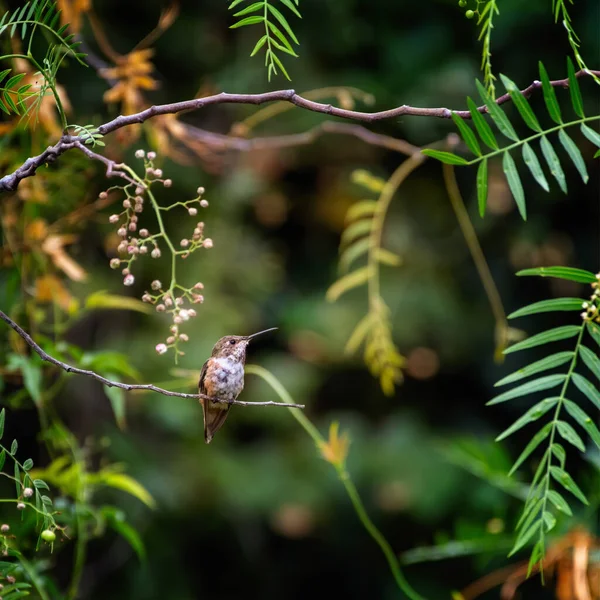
x=48 y=536
x=470 y=14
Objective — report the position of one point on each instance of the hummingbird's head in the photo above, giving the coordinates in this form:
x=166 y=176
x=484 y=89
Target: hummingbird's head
x=234 y=346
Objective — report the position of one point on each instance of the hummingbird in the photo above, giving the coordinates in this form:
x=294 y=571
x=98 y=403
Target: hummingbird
x=222 y=377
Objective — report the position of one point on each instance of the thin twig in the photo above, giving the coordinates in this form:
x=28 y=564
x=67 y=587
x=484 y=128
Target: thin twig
x=11 y=181
x=126 y=386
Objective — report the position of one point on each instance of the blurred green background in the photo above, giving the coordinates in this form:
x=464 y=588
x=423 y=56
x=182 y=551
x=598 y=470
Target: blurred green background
x=258 y=513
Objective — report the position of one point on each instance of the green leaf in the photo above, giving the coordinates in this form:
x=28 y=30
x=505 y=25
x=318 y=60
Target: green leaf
x=359 y=333
x=17 y=478
x=247 y=21
x=445 y=157
x=355 y=230
x=259 y=44
x=549 y=520
x=553 y=163
x=347 y=283
x=555 y=304
x=497 y=114
x=597 y=154
x=567 y=482
x=573 y=151
x=107 y=362
x=14 y=447
x=483 y=129
x=549 y=96
x=364 y=208
x=2 y=418
x=104 y=300
x=282 y=21
x=570 y=435
x=251 y=8
x=278 y=33
x=550 y=362
x=2 y=458
x=591 y=360
x=514 y=183
x=521 y=103
x=289 y=4
x=525 y=536
x=533 y=414
x=467 y=134
x=535 y=385
x=559 y=452
x=592 y=328
x=576 y=99
x=482 y=186
x=568 y=273
x=117 y=400
x=552 y=335
x=116 y=519
x=587 y=388
x=533 y=164
x=559 y=502
x=352 y=252
x=32 y=374
x=385 y=257
x=40 y=484
x=28 y=464
x=125 y=483
x=535 y=441
x=590 y=134
x=584 y=420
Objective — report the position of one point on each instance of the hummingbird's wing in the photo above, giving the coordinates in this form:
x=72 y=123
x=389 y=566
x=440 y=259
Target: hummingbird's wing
x=215 y=413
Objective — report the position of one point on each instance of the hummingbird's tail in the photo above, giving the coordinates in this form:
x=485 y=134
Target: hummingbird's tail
x=214 y=417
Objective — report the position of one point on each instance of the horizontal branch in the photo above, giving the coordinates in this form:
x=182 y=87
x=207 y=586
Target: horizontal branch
x=127 y=386
x=11 y=181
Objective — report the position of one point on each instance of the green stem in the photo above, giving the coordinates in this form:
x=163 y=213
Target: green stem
x=345 y=478
x=33 y=577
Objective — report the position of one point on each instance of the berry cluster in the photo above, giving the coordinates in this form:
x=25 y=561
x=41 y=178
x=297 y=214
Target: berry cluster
x=136 y=241
x=591 y=308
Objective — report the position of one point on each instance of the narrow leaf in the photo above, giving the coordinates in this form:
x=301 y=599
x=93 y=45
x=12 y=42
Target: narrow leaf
x=533 y=164
x=467 y=134
x=587 y=388
x=533 y=414
x=359 y=334
x=591 y=360
x=346 y=283
x=117 y=400
x=559 y=502
x=549 y=520
x=251 y=8
x=573 y=151
x=355 y=231
x=247 y=21
x=584 y=420
x=483 y=129
x=556 y=304
x=2 y=418
x=550 y=362
x=568 y=434
x=567 y=482
x=593 y=330
x=259 y=44
x=590 y=134
x=497 y=114
x=2 y=458
x=576 y=99
x=553 y=163
x=385 y=257
x=552 y=335
x=283 y=22
x=535 y=441
x=352 y=252
x=535 y=385
x=364 y=208
x=549 y=96
x=560 y=453
x=524 y=537
x=289 y=4
x=482 y=186
x=514 y=183
x=568 y=273
x=521 y=103
x=445 y=157
x=278 y=33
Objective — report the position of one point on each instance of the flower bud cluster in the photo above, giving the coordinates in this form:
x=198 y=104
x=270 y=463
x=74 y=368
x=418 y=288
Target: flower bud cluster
x=591 y=307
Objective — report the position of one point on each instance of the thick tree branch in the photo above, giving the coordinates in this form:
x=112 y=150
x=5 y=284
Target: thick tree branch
x=126 y=386
x=11 y=181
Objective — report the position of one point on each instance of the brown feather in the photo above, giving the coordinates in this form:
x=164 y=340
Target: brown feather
x=214 y=413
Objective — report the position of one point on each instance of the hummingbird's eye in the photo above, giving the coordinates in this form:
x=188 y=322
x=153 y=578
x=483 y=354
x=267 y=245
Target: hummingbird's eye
x=232 y=342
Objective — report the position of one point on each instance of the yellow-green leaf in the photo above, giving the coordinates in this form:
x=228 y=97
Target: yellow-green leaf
x=346 y=283
x=121 y=481
x=105 y=300
x=387 y=258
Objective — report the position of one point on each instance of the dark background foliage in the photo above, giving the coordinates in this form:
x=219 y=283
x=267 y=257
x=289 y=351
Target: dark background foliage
x=258 y=514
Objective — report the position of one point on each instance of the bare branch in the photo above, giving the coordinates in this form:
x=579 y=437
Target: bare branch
x=127 y=386
x=11 y=181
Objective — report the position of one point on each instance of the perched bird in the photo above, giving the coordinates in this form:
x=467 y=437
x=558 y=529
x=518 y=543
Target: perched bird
x=222 y=377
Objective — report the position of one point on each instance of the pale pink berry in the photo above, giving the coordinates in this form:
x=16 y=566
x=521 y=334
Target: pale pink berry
x=144 y=250
x=171 y=340
x=155 y=253
x=132 y=226
x=151 y=155
x=160 y=308
x=184 y=243
x=167 y=183
x=156 y=284
x=126 y=203
x=121 y=232
x=203 y=203
x=207 y=243
x=143 y=233
x=5 y=528
x=191 y=312
x=28 y=492
x=129 y=280
x=139 y=190
x=185 y=315
x=168 y=302
x=183 y=337
x=200 y=191
x=113 y=218
x=177 y=319
x=178 y=301
x=158 y=172
x=115 y=263
x=125 y=271
x=122 y=246
x=192 y=211
x=139 y=154
x=199 y=286
x=20 y=506
x=197 y=298
x=161 y=348
x=103 y=195
x=146 y=298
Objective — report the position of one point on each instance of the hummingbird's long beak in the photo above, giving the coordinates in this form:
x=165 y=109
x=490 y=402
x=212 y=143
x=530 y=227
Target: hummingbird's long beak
x=249 y=337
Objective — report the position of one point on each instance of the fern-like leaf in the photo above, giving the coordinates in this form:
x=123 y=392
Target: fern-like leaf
x=539 y=517
x=528 y=152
